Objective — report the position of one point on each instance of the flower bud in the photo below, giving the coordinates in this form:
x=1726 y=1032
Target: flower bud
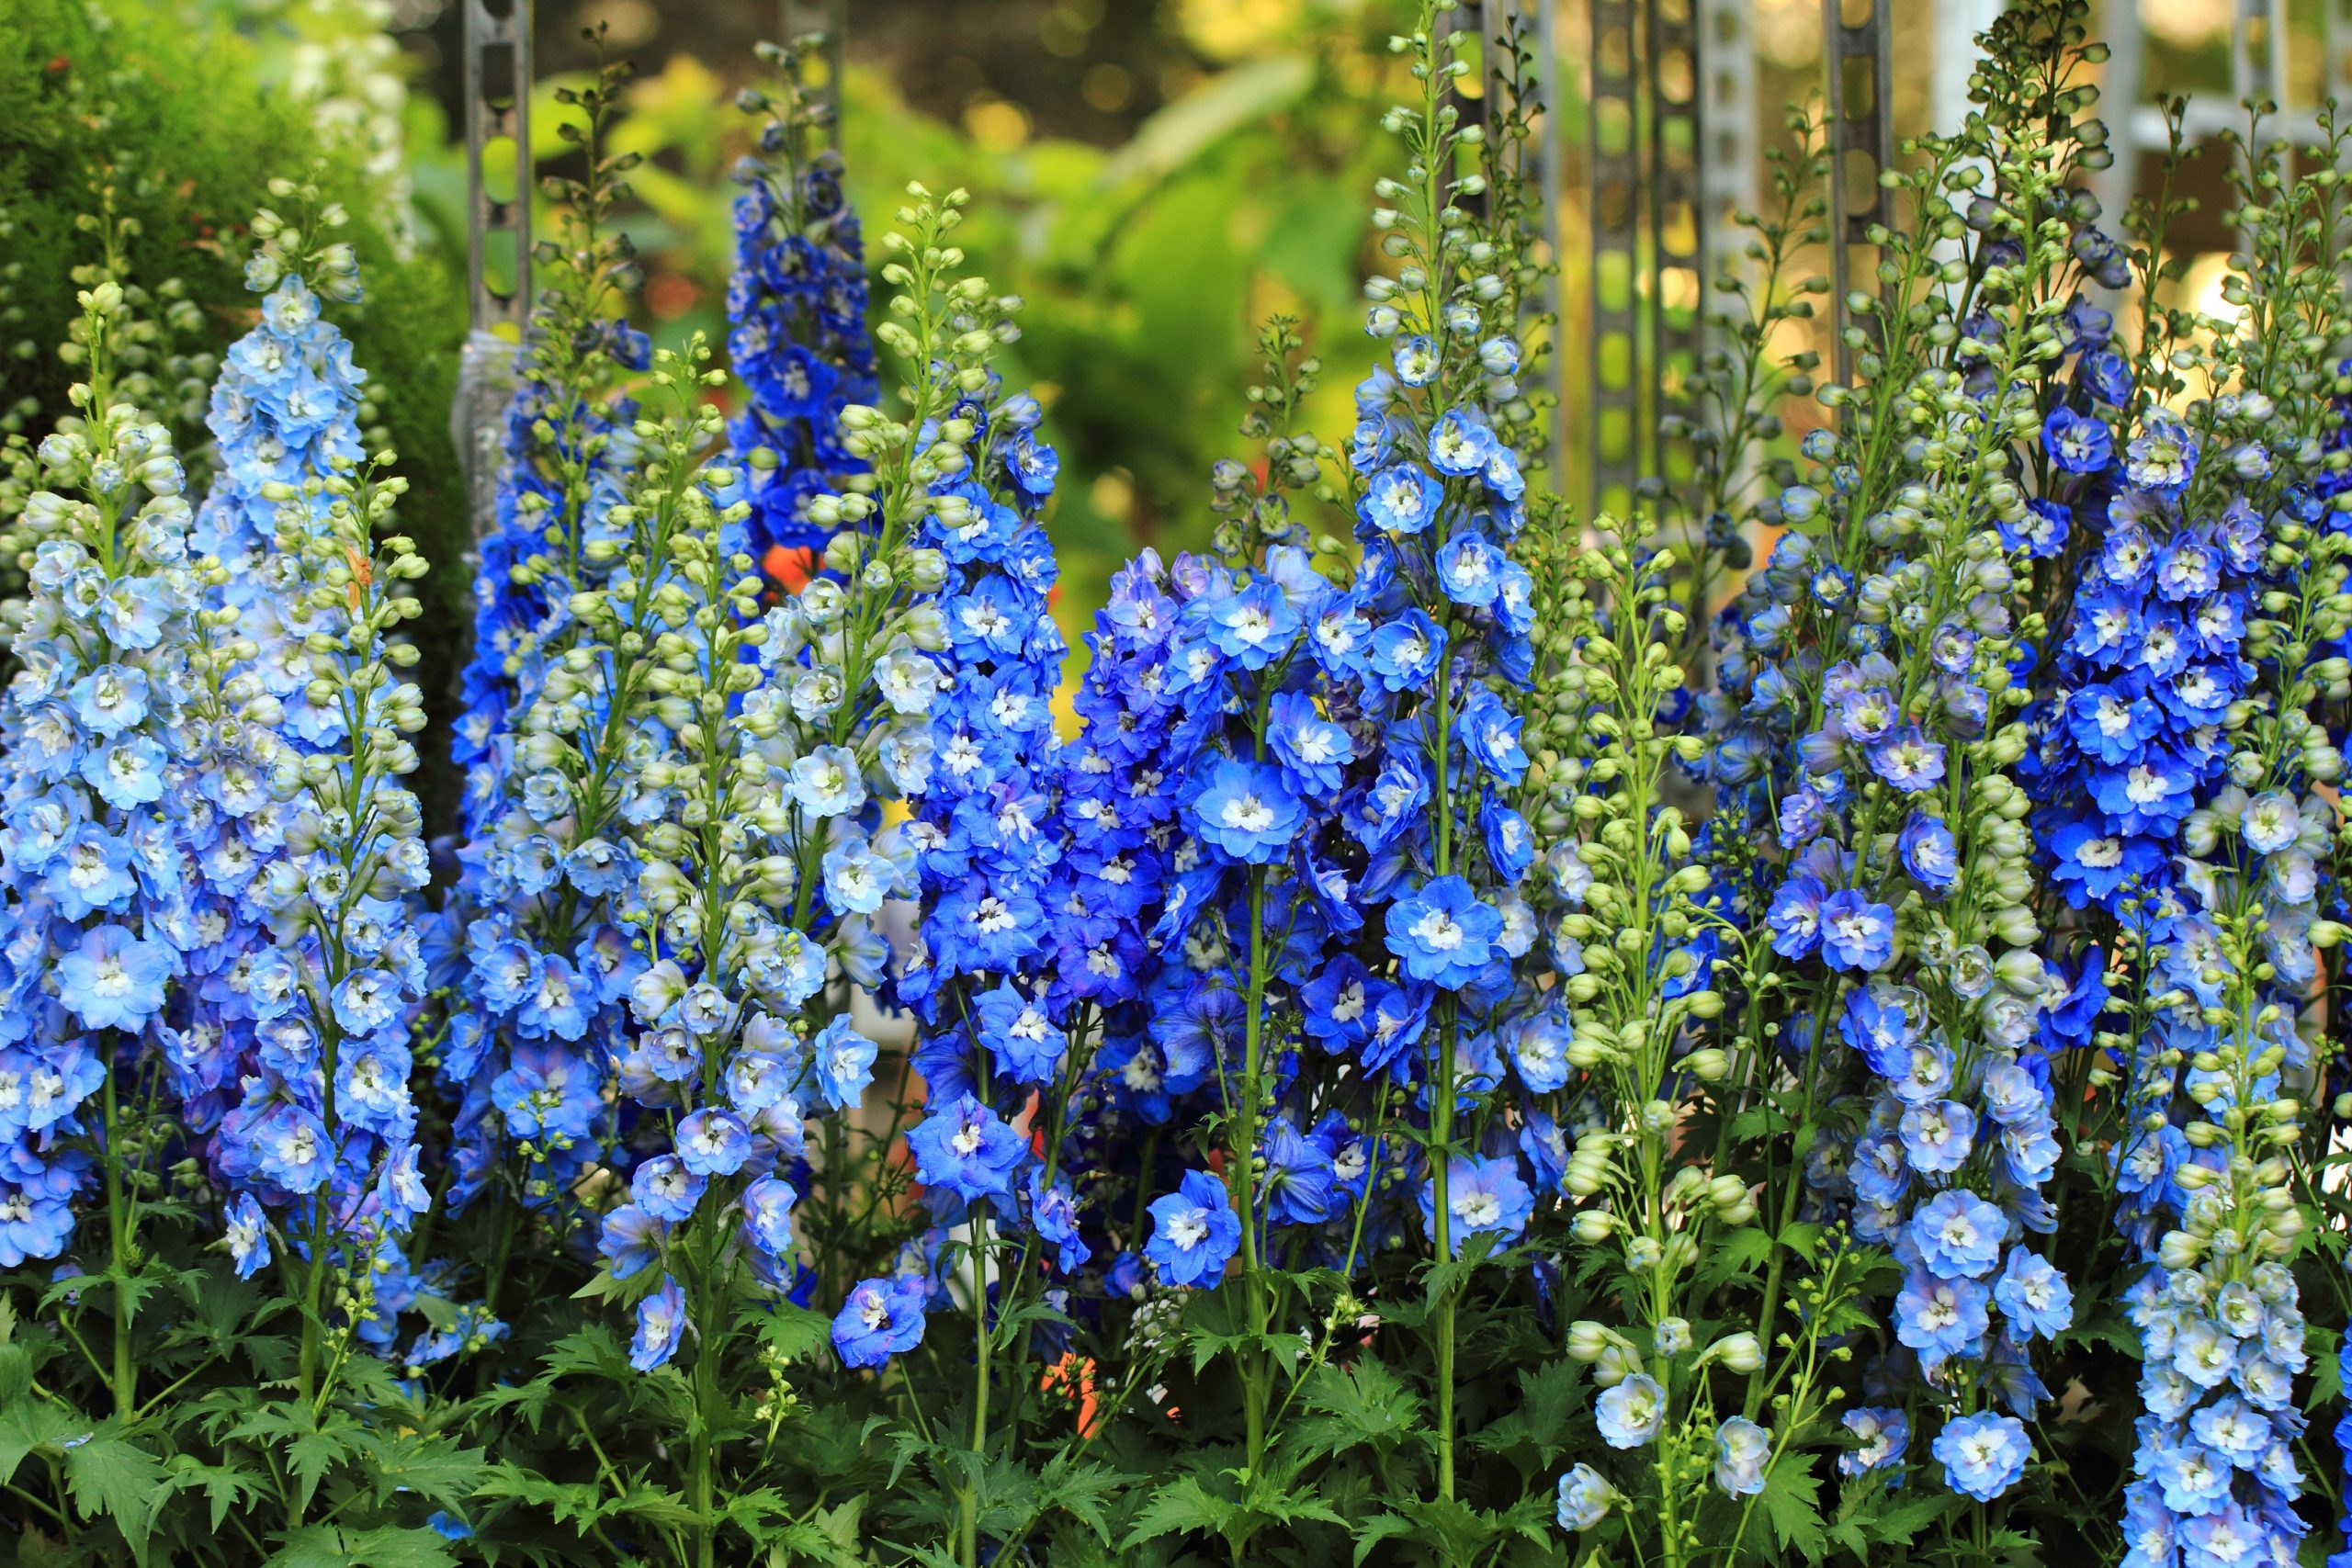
x=1737 y=1352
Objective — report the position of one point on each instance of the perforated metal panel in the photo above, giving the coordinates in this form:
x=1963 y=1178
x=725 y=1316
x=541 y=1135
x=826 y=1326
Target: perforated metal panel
x=1727 y=158
x=829 y=21
x=1612 y=412
x=1677 y=232
x=498 y=108
x=1861 y=142
x=1527 y=24
x=1655 y=214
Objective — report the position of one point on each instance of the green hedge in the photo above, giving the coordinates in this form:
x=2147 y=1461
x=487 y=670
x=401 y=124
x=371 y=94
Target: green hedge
x=172 y=108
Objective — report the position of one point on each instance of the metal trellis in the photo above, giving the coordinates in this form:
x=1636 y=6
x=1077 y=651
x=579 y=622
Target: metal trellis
x=1658 y=212
x=1856 y=36
x=498 y=108
x=827 y=22
x=1526 y=26
x=2259 y=44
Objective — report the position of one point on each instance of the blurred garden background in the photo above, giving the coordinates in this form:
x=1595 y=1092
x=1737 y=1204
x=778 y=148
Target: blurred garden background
x=1155 y=177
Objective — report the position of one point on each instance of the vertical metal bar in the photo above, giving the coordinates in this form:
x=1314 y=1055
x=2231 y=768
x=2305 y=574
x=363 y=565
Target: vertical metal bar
x=2258 y=57
x=1546 y=175
x=498 y=107
x=1517 y=55
x=1860 y=70
x=828 y=21
x=1677 y=270
x=2119 y=102
x=2336 y=79
x=1727 y=162
x=1612 y=416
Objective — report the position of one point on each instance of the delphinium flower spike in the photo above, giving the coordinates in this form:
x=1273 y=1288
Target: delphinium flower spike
x=1873 y=671
x=540 y=964
x=324 y=1137
x=1447 y=613
x=94 y=915
x=795 y=305
x=2222 y=939
x=990 y=847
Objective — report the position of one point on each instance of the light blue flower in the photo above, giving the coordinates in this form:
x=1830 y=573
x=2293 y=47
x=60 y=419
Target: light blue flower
x=660 y=1324
x=1631 y=1413
x=1585 y=1498
x=1742 y=1450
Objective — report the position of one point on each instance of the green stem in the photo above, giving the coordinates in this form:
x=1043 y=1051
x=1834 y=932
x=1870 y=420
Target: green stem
x=125 y=1380
x=1244 y=1153
x=970 y=1503
x=703 y=1462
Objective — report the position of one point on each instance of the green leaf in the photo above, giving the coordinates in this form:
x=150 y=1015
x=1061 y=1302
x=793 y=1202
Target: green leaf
x=794 y=1332
x=110 y=1474
x=30 y=1424
x=1183 y=1505
x=1792 y=1500
x=1551 y=1397
x=1363 y=1406
x=1377 y=1529
x=392 y=1546
x=2327 y=1375
x=1224 y=103
x=1803 y=1238
x=1080 y=1489
x=222 y=1486
x=324 y=1546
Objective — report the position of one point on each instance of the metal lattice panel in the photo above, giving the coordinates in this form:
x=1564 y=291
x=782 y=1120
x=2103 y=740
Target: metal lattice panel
x=1656 y=217
x=1677 y=232
x=1545 y=170
x=498 y=108
x=828 y=21
x=1524 y=26
x=1727 y=162
x=2259 y=43
x=1613 y=414
x=1856 y=36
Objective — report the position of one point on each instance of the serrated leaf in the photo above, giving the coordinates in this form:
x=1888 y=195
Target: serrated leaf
x=1551 y=1397
x=1363 y=1406
x=432 y=1468
x=393 y=1547
x=108 y=1474
x=1377 y=1529
x=2327 y=1373
x=1803 y=1238
x=30 y=1424
x=1183 y=1505
x=1792 y=1500
x=222 y=1486
x=1080 y=1489
x=793 y=1331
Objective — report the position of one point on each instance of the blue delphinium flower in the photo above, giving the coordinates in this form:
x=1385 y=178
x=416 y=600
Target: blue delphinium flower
x=324 y=1131
x=1486 y=1197
x=1585 y=1498
x=796 y=310
x=881 y=1319
x=1983 y=1455
x=96 y=901
x=538 y=962
x=1630 y=1413
x=1195 y=1230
